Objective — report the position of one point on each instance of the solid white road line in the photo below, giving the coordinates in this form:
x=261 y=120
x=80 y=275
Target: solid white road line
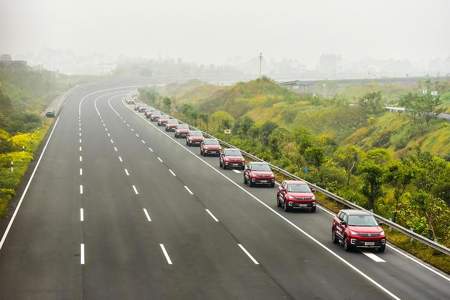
x=81 y=189
x=160 y=160
x=126 y=172
x=81 y=215
x=81 y=171
x=115 y=149
x=135 y=190
x=82 y=254
x=81 y=158
x=373 y=257
x=120 y=158
x=236 y=171
x=189 y=191
x=211 y=214
x=166 y=255
x=331 y=252
x=8 y=228
x=248 y=254
x=147 y=215
x=172 y=172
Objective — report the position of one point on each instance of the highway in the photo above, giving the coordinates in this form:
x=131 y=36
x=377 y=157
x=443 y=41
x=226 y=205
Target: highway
x=119 y=209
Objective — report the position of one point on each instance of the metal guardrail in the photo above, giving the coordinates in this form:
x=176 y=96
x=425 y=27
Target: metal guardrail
x=405 y=231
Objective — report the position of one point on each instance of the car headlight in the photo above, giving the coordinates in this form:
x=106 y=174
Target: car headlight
x=353 y=232
x=381 y=233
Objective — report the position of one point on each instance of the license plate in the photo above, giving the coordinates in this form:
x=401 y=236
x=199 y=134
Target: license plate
x=235 y=165
x=303 y=205
x=263 y=181
x=369 y=243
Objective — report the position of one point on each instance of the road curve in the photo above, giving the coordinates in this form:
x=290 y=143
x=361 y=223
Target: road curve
x=118 y=209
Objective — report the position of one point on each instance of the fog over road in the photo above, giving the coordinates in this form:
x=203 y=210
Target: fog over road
x=119 y=209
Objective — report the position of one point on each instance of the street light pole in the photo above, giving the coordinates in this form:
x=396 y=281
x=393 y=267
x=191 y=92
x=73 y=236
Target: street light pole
x=260 y=64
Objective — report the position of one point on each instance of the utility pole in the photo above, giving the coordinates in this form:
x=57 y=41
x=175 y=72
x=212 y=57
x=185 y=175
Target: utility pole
x=260 y=64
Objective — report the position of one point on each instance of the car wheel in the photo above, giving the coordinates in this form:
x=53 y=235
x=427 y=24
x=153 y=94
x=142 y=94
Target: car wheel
x=334 y=237
x=313 y=209
x=278 y=202
x=382 y=249
x=251 y=183
x=272 y=185
x=243 y=168
x=220 y=164
x=347 y=246
x=245 y=180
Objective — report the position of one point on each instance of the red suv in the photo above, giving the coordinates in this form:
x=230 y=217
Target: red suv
x=294 y=194
x=162 y=121
x=194 y=137
x=181 y=131
x=171 y=125
x=230 y=158
x=154 y=117
x=210 y=146
x=357 y=229
x=259 y=173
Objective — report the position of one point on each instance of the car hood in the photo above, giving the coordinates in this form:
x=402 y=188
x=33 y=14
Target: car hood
x=365 y=229
x=301 y=195
x=262 y=173
x=196 y=137
x=234 y=158
x=212 y=147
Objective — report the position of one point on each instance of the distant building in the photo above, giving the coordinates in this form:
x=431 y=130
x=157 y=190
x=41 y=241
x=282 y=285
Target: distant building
x=6 y=60
x=5 y=57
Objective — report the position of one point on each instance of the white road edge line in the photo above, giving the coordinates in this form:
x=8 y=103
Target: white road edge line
x=172 y=172
x=8 y=228
x=147 y=215
x=367 y=277
x=135 y=190
x=373 y=257
x=82 y=254
x=211 y=214
x=81 y=215
x=189 y=191
x=248 y=254
x=166 y=255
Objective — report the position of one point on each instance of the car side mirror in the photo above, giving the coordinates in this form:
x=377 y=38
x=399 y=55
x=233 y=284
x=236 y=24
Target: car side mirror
x=313 y=190
x=343 y=223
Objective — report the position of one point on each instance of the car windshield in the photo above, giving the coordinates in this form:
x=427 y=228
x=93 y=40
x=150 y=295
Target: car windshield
x=195 y=133
x=211 y=142
x=172 y=121
x=183 y=126
x=298 y=188
x=232 y=152
x=362 y=220
x=260 y=167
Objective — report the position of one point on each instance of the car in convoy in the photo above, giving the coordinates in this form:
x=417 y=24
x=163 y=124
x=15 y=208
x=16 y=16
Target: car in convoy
x=357 y=229
x=171 y=124
x=149 y=112
x=181 y=130
x=295 y=194
x=154 y=117
x=194 y=137
x=258 y=173
x=231 y=158
x=163 y=119
x=130 y=101
x=209 y=147
x=142 y=109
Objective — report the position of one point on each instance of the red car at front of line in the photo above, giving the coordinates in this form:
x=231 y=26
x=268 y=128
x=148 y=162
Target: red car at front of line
x=295 y=194
x=357 y=229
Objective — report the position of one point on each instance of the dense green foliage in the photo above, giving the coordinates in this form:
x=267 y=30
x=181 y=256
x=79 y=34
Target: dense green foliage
x=380 y=160
x=24 y=94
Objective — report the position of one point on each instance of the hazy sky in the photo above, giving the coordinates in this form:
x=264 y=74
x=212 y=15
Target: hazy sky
x=211 y=31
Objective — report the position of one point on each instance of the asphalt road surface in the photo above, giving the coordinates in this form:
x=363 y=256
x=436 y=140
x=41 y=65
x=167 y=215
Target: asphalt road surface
x=119 y=209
